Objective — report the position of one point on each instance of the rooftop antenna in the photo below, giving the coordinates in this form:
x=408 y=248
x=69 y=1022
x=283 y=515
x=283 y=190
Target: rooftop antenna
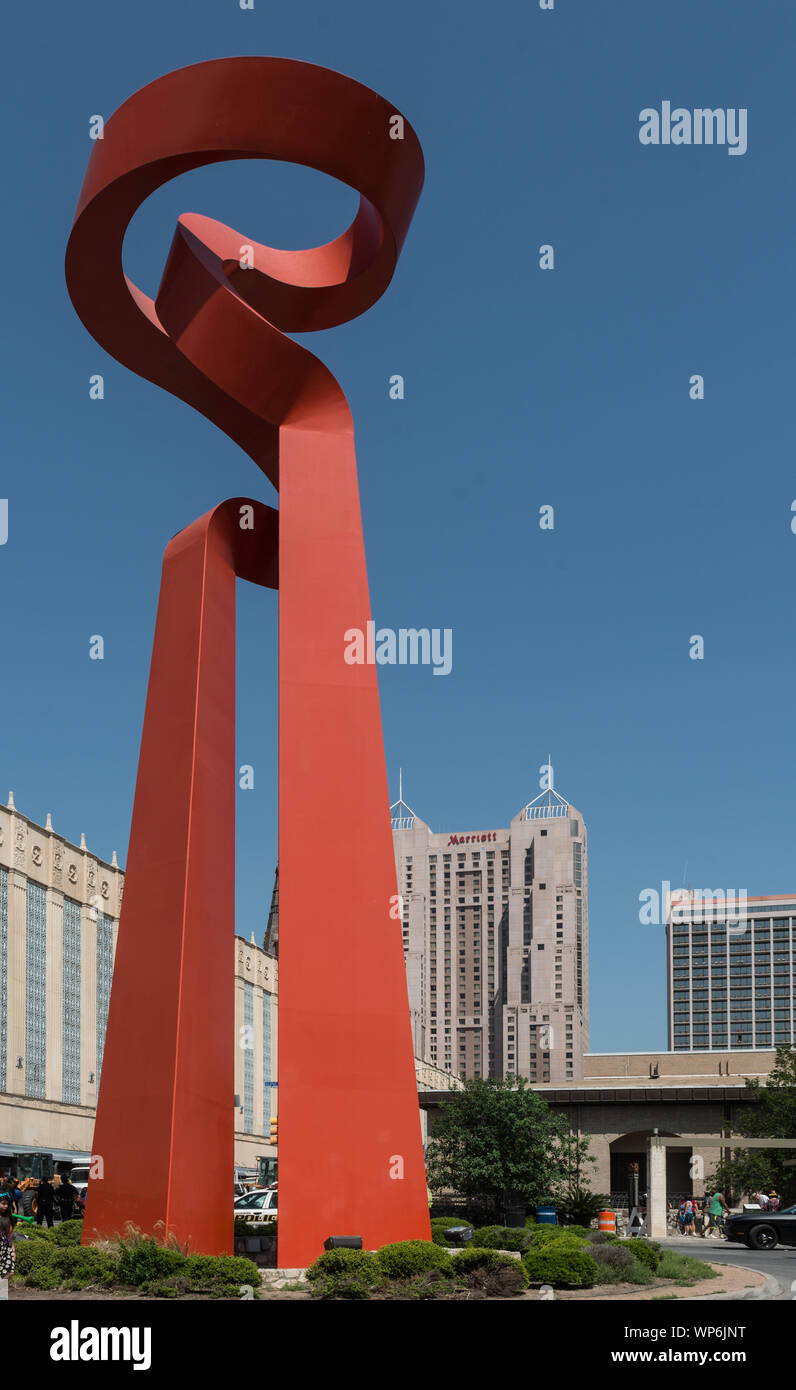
x=403 y=817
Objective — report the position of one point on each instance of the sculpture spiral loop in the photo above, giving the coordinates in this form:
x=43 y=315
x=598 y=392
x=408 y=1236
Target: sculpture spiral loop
x=214 y=336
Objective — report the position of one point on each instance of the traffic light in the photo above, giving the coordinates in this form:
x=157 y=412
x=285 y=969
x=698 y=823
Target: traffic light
x=274 y=1124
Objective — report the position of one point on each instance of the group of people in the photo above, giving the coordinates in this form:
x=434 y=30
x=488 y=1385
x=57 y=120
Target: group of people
x=11 y=1208
x=772 y=1202
x=707 y=1215
x=67 y=1196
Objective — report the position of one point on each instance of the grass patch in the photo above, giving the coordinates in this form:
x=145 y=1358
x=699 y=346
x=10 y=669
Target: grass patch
x=683 y=1269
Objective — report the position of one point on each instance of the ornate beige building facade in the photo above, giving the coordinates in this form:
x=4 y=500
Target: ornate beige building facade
x=59 y=921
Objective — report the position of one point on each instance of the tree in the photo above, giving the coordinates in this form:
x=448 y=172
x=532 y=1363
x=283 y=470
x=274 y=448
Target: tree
x=772 y=1117
x=498 y=1141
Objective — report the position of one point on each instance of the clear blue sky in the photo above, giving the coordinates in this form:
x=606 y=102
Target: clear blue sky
x=522 y=388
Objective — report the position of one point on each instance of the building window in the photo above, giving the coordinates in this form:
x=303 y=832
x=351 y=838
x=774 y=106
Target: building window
x=104 y=974
x=267 y=1063
x=248 y=1057
x=71 y=991
x=35 y=990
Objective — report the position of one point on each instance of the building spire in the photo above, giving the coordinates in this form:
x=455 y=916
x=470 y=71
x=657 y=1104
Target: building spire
x=11 y=805
x=403 y=817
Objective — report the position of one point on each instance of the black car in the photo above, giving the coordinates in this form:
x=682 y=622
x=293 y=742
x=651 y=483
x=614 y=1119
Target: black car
x=762 y=1230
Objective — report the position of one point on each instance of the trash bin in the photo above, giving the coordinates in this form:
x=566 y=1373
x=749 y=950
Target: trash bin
x=546 y=1216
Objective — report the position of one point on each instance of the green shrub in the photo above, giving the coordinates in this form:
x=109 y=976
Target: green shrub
x=562 y=1264
x=80 y=1267
x=643 y=1252
x=38 y=1232
x=573 y=1230
x=345 y=1274
x=613 y=1263
x=581 y=1206
x=487 y=1260
x=68 y=1233
x=233 y=1270
x=43 y=1276
x=342 y=1286
x=502 y=1238
x=408 y=1257
x=33 y=1254
x=543 y=1235
x=144 y=1260
x=684 y=1269
x=358 y=1263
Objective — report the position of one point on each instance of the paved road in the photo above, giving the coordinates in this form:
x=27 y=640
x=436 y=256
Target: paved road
x=781 y=1262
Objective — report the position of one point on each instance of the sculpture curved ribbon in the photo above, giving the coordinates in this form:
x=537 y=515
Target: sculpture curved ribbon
x=349 y=1137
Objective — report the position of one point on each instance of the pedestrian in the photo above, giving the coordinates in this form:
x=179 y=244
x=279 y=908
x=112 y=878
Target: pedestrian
x=44 y=1203
x=67 y=1193
x=704 y=1217
x=718 y=1210
x=774 y=1200
x=7 y=1252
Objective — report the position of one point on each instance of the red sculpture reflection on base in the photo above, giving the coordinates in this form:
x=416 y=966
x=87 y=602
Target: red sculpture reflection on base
x=350 y=1149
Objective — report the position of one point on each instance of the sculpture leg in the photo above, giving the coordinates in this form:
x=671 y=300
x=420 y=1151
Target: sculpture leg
x=164 y=1130
x=350 y=1147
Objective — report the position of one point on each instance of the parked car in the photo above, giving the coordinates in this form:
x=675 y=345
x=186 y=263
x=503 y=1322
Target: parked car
x=259 y=1205
x=79 y=1178
x=762 y=1230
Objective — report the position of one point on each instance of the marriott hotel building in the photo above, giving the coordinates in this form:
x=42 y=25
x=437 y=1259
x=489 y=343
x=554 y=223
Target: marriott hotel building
x=495 y=935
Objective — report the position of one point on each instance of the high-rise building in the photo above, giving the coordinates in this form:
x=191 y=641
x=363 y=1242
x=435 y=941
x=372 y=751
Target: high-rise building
x=495 y=934
x=731 y=971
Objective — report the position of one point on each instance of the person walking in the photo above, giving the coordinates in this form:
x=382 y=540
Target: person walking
x=67 y=1193
x=44 y=1203
x=718 y=1210
x=704 y=1217
x=7 y=1252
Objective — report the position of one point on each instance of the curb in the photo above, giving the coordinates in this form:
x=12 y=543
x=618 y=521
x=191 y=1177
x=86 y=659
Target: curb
x=771 y=1288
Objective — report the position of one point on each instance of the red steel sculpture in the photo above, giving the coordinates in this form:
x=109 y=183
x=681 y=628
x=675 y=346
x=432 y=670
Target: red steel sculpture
x=350 y=1149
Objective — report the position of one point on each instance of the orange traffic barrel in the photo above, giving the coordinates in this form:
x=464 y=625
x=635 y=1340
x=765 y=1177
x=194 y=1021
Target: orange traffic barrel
x=606 y=1221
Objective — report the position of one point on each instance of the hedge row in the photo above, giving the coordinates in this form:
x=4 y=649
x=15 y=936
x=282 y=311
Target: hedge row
x=47 y=1262
x=414 y=1269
